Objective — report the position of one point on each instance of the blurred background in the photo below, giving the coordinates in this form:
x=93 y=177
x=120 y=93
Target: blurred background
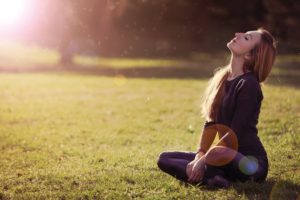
x=128 y=33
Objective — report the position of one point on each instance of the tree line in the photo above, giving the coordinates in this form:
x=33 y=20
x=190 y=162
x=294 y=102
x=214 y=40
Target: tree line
x=158 y=28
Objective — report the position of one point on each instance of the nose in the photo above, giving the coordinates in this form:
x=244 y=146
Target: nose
x=238 y=34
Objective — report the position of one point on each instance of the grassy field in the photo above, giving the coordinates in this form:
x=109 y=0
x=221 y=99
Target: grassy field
x=65 y=135
x=68 y=136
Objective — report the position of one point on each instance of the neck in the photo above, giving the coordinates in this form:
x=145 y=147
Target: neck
x=236 y=65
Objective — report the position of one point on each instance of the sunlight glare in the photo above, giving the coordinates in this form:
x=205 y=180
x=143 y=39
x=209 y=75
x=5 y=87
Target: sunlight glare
x=11 y=11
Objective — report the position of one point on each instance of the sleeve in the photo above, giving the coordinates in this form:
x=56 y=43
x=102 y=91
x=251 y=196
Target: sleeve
x=247 y=101
x=208 y=123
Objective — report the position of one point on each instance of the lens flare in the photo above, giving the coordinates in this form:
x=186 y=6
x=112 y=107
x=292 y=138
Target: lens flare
x=224 y=149
x=248 y=165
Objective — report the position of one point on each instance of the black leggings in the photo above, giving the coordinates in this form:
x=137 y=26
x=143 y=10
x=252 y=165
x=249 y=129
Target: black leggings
x=174 y=163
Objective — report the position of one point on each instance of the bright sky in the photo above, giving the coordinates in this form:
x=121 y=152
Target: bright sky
x=12 y=11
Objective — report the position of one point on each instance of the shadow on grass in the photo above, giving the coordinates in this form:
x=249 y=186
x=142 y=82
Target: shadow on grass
x=270 y=189
x=132 y=72
x=284 y=76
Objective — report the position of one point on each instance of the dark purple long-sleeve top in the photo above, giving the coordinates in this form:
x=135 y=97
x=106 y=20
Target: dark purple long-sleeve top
x=240 y=110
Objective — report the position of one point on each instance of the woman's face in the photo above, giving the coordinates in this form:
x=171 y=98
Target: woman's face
x=243 y=43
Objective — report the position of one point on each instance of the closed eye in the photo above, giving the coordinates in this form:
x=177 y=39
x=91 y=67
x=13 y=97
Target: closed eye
x=248 y=37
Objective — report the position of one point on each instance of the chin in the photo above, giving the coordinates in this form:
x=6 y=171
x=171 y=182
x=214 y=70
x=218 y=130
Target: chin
x=231 y=48
x=229 y=45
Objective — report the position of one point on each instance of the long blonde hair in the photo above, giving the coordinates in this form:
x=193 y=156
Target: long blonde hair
x=261 y=62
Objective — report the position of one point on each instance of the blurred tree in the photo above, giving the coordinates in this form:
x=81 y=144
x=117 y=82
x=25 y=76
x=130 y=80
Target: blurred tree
x=165 y=27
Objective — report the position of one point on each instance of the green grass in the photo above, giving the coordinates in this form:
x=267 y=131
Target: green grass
x=66 y=136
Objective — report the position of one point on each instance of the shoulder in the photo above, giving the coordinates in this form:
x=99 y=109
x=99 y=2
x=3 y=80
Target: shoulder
x=248 y=84
x=248 y=81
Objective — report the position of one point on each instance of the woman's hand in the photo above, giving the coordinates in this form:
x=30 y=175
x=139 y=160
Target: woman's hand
x=195 y=170
x=189 y=168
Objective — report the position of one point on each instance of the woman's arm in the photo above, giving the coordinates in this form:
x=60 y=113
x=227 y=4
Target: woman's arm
x=206 y=139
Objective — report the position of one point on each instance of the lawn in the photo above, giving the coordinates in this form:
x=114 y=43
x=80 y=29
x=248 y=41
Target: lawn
x=72 y=136
x=76 y=134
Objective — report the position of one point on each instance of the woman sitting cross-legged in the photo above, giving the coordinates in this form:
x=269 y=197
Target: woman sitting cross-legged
x=231 y=107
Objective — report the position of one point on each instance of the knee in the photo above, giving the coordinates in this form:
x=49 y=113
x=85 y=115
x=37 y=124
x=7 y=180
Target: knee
x=164 y=156
x=162 y=160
